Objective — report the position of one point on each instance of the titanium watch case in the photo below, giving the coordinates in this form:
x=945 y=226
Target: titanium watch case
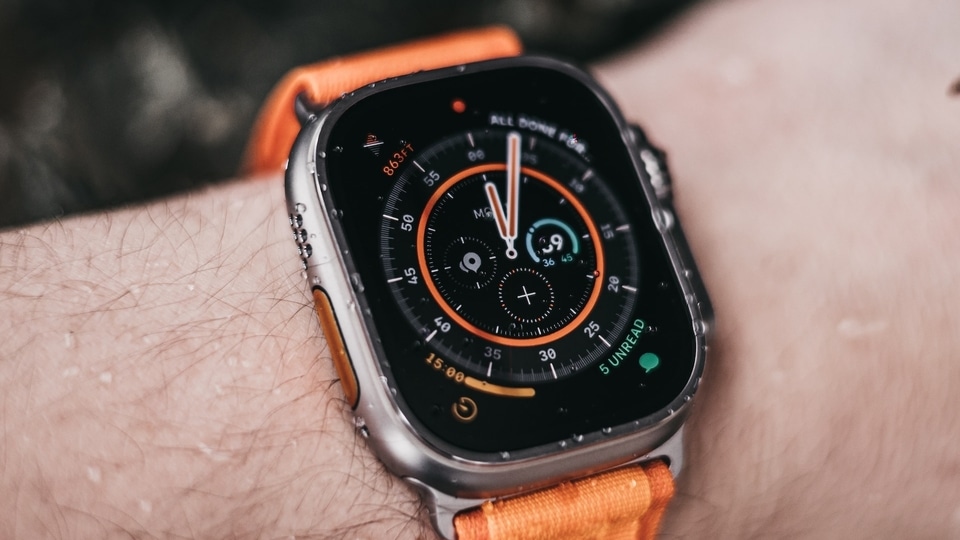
x=451 y=483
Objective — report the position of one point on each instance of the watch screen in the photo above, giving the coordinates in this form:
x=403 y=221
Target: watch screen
x=519 y=289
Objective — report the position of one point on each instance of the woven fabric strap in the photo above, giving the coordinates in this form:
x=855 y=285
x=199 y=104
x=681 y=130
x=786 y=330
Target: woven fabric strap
x=627 y=503
x=277 y=126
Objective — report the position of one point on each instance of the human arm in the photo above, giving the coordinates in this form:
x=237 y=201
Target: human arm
x=163 y=375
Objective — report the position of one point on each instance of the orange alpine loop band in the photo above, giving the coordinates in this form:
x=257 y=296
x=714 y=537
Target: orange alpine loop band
x=277 y=126
x=625 y=503
x=622 y=504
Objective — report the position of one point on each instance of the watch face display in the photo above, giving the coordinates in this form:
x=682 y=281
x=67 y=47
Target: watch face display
x=520 y=292
x=511 y=259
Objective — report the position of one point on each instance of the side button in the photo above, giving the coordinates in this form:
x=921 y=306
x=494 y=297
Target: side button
x=338 y=351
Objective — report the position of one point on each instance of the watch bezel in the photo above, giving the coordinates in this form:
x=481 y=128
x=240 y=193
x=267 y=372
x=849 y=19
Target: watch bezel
x=393 y=433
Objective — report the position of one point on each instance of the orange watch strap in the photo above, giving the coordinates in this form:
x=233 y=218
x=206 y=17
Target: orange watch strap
x=277 y=126
x=625 y=503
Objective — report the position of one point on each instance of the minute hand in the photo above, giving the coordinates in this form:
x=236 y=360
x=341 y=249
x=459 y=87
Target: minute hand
x=508 y=224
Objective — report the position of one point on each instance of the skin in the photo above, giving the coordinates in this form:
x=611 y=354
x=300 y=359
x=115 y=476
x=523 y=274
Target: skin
x=818 y=184
x=162 y=373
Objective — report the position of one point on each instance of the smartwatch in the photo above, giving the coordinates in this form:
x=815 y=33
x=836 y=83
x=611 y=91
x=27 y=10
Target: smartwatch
x=507 y=296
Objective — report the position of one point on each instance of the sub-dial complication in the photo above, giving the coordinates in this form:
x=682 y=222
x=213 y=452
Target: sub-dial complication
x=469 y=263
x=527 y=296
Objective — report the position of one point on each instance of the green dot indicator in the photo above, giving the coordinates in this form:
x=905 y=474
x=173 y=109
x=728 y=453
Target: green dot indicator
x=649 y=361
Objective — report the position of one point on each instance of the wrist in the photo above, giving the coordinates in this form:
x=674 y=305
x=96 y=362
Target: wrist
x=162 y=378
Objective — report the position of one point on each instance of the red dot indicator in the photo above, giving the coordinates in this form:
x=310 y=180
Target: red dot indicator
x=458 y=106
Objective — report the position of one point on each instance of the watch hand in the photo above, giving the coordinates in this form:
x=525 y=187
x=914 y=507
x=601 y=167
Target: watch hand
x=513 y=184
x=493 y=197
x=508 y=224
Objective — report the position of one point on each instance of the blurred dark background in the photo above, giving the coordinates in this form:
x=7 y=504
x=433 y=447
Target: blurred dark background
x=104 y=103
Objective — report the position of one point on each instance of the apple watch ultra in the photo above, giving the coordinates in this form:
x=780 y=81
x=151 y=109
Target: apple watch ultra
x=506 y=294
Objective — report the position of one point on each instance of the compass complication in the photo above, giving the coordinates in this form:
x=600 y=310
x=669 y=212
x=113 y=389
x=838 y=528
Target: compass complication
x=511 y=255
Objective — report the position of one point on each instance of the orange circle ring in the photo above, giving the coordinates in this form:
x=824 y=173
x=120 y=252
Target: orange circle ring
x=514 y=342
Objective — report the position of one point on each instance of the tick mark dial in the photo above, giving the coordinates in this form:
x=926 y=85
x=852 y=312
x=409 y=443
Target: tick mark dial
x=507 y=257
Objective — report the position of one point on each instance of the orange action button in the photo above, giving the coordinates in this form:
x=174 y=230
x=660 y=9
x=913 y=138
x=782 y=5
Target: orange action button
x=338 y=351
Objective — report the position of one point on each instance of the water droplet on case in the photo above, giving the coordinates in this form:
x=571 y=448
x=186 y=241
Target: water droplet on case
x=355 y=281
x=699 y=327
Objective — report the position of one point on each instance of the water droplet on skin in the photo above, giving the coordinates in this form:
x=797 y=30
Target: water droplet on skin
x=71 y=371
x=68 y=340
x=93 y=474
x=106 y=377
x=145 y=506
x=191 y=287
